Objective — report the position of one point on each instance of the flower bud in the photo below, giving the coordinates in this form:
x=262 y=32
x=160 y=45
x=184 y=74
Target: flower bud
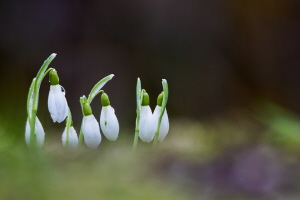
x=146 y=128
x=91 y=131
x=39 y=132
x=73 y=139
x=160 y=98
x=87 y=110
x=57 y=103
x=108 y=119
x=145 y=100
x=105 y=100
x=164 y=126
x=54 y=80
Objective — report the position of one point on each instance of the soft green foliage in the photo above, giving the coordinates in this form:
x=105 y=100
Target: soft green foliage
x=284 y=125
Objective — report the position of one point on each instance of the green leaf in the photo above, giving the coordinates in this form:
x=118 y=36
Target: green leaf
x=30 y=98
x=139 y=95
x=41 y=72
x=166 y=95
x=39 y=77
x=98 y=87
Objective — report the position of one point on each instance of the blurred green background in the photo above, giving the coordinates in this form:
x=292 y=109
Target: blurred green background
x=233 y=73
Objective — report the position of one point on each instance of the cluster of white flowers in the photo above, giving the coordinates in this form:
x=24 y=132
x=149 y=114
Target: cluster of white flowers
x=108 y=123
x=150 y=125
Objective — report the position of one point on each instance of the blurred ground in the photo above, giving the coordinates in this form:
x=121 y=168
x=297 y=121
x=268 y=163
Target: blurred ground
x=237 y=158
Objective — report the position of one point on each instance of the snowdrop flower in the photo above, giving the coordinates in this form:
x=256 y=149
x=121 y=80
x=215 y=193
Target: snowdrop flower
x=108 y=120
x=39 y=133
x=90 y=128
x=164 y=126
x=146 y=126
x=57 y=103
x=73 y=139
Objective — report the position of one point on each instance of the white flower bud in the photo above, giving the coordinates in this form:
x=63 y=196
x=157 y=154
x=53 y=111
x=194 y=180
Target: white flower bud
x=109 y=123
x=164 y=126
x=73 y=139
x=39 y=131
x=91 y=131
x=57 y=103
x=146 y=127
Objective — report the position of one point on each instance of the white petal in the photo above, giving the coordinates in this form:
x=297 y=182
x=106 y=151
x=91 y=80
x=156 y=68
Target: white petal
x=109 y=123
x=40 y=134
x=51 y=104
x=73 y=139
x=39 y=131
x=27 y=133
x=91 y=131
x=164 y=126
x=146 y=128
x=57 y=103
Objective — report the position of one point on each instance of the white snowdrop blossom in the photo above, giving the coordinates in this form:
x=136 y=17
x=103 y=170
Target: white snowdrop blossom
x=164 y=126
x=91 y=131
x=57 y=103
x=39 y=131
x=73 y=139
x=109 y=123
x=146 y=127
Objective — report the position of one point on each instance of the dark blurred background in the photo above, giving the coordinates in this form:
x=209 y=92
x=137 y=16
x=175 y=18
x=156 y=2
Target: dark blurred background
x=225 y=61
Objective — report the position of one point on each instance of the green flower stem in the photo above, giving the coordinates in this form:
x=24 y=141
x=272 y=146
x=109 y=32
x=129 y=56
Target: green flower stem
x=101 y=91
x=80 y=140
x=139 y=96
x=33 y=97
x=48 y=70
x=136 y=136
x=69 y=123
x=82 y=101
x=163 y=108
x=155 y=141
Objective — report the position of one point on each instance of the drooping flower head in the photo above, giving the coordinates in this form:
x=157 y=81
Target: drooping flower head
x=90 y=128
x=146 y=126
x=39 y=133
x=57 y=103
x=164 y=126
x=72 y=137
x=108 y=119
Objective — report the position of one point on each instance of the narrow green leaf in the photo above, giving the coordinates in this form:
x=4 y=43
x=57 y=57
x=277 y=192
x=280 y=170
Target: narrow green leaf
x=166 y=95
x=39 y=77
x=98 y=87
x=139 y=95
x=30 y=98
x=43 y=68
